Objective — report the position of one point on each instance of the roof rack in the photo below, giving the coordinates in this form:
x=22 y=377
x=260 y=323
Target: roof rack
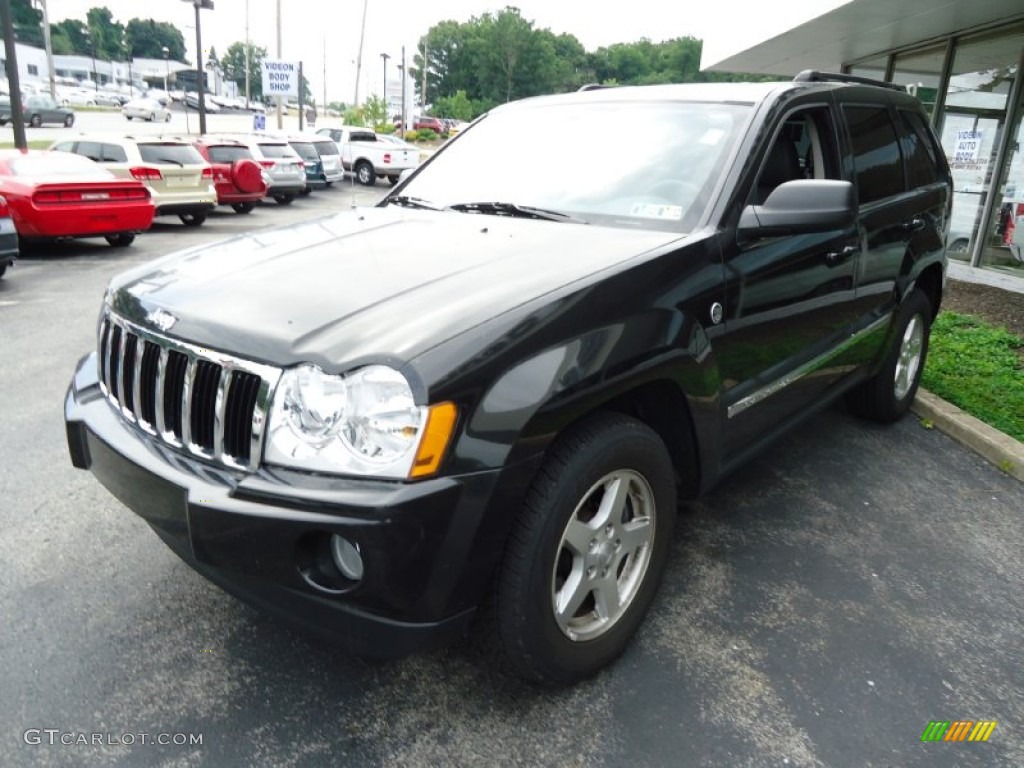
x=814 y=76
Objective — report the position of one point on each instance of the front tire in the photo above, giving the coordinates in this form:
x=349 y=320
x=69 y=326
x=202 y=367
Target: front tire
x=69 y=121
x=887 y=395
x=284 y=199
x=584 y=559
x=35 y=121
x=243 y=207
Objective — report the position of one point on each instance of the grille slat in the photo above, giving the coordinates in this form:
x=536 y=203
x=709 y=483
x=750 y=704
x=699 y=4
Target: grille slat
x=210 y=405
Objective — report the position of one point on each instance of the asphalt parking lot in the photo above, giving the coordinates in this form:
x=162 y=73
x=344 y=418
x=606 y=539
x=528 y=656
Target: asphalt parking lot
x=821 y=606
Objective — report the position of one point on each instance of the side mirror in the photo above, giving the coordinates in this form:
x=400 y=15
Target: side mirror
x=798 y=207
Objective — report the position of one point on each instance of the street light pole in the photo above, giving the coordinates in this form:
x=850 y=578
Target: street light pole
x=167 y=69
x=49 y=49
x=199 y=5
x=248 y=58
x=11 y=65
x=385 y=57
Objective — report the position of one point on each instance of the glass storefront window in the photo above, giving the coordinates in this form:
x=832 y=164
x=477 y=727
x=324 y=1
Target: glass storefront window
x=975 y=115
x=874 y=68
x=920 y=72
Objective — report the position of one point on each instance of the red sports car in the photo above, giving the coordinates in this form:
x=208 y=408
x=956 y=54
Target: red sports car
x=57 y=196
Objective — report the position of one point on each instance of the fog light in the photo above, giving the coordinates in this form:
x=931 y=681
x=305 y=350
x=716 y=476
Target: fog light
x=346 y=557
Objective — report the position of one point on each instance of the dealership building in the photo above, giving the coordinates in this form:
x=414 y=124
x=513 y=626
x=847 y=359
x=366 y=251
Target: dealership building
x=962 y=58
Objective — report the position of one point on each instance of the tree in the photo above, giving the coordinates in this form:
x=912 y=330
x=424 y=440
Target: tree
x=148 y=39
x=27 y=23
x=458 y=107
x=107 y=35
x=375 y=111
x=68 y=37
x=232 y=65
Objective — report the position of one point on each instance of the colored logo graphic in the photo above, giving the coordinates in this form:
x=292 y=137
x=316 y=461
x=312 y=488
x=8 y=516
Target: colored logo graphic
x=958 y=730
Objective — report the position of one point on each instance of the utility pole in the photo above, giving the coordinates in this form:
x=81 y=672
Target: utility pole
x=248 y=59
x=280 y=119
x=359 y=59
x=423 y=91
x=11 y=63
x=403 y=92
x=49 y=50
x=325 y=74
x=385 y=57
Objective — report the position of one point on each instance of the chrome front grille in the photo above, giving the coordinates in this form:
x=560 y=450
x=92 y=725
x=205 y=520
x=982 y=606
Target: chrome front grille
x=206 y=403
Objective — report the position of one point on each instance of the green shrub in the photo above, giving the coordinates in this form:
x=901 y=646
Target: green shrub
x=412 y=135
x=425 y=134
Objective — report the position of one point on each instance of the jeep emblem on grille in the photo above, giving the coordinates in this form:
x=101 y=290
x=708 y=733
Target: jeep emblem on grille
x=162 y=319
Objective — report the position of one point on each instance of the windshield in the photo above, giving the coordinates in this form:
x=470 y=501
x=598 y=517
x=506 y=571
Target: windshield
x=306 y=151
x=649 y=165
x=278 y=150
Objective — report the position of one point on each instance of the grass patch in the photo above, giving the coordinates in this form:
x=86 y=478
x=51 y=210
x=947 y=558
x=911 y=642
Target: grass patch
x=32 y=143
x=979 y=368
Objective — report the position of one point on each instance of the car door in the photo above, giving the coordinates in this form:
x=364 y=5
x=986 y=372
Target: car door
x=791 y=299
x=889 y=216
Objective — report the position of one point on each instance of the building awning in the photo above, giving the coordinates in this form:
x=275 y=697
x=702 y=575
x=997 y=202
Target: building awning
x=846 y=31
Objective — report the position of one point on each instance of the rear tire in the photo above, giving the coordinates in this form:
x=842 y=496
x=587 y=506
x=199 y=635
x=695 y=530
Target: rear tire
x=584 y=559
x=365 y=174
x=284 y=199
x=887 y=395
x=243 y=207
x=69 y=121
x=35 y=121
x=122 y=240
x=152 y=117
x=192 y=219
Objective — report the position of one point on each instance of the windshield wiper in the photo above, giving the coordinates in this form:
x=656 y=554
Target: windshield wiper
x=411 y=202
x=169 y=160
x=514 y=209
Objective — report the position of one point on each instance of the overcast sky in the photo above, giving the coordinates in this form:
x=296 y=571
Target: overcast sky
x=390 y=24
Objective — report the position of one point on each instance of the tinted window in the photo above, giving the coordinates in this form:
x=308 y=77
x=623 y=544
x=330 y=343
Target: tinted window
x=112 y=153
x=804 y=148
x=91 y=149
x=362 y=136
x=228 y=154
x=173 y=154
x=876 y=155
x=917 y=151
x=306 y=151
x=326 y=147
x=277 y=150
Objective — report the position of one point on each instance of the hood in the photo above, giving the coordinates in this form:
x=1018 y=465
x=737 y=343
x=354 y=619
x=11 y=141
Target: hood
x=377 y=283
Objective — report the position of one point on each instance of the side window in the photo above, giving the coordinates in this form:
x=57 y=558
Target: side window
x=803 y=148
x=91 y=149
x=918 y=152
x=877 y=165
x=112 y=153
x=64 y=146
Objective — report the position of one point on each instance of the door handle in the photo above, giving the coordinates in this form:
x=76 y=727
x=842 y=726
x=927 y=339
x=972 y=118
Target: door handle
x=835 y=258
x=914 y=225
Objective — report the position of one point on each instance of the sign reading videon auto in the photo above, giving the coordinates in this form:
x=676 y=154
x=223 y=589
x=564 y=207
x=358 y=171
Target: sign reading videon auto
x=280 y=78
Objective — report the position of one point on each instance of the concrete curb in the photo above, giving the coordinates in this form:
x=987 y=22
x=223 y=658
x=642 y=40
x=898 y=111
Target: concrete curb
x=1001 y=450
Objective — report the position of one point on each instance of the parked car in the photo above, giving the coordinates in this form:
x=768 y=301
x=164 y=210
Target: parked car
x=429 y=123
x=147 y=109
x=179 y=180
x=367 y=158
x=38 y=110
x=8 y=238
x=55 y=197
x=330 y=159
x=240 y=181
x=192 y=100
x=76 y=96
x=311 y=162
x=489 y=394
x=286 y=176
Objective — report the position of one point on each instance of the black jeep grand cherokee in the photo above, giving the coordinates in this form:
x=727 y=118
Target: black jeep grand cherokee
x=491 y=388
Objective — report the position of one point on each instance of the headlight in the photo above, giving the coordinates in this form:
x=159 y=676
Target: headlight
x=363 y=423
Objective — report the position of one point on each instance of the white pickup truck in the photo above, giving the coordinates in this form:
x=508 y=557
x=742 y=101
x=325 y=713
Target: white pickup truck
x=366 y=157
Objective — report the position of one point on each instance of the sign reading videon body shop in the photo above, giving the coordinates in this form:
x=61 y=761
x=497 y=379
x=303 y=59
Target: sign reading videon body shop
x=280 y=78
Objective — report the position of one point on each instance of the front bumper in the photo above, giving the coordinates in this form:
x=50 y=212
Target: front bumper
x=427 y=551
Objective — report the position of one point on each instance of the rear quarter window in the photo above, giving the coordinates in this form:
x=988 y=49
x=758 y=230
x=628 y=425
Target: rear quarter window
x=918 y=151
x=877 y=164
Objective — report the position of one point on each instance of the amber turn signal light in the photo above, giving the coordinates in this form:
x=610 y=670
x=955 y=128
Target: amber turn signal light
x=440 y=423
